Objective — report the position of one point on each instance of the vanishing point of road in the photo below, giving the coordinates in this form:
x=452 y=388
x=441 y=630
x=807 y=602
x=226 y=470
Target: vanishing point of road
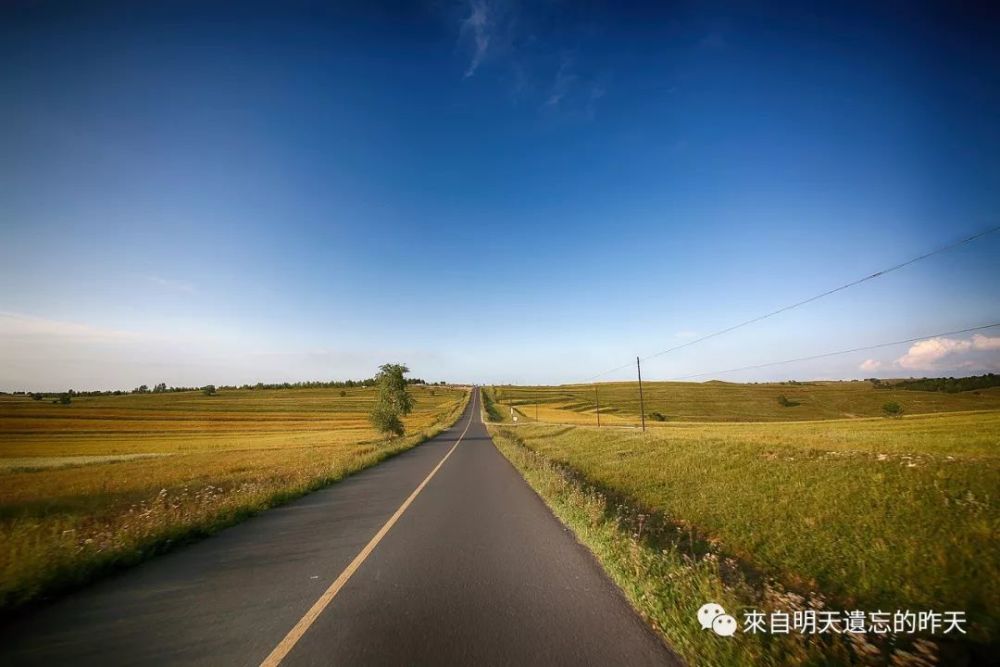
x=439 y=556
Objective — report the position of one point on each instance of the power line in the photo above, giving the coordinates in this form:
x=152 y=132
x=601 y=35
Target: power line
x=783 y=309
x=833 y=354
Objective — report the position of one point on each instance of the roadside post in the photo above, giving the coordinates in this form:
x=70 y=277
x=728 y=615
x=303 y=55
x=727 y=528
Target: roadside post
x=597 y=399
x=642 y=405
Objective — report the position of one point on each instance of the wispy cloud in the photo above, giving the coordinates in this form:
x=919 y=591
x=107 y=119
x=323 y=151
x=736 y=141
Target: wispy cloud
x=39 y=353
x=42 y=354
x=539 y=61
x=20 y=326
x=571 y=92
x=476 y=27
x=714 y=40
x=172 y=285
x=562 y=83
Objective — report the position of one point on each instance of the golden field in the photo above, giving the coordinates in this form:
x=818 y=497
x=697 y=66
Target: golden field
x=109 y=480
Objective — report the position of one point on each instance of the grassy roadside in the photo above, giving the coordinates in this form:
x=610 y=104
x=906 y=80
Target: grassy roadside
x=668 y=572
x=61 y=528
x=490 y=409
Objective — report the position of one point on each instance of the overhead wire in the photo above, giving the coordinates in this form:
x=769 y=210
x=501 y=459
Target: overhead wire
x=839 y=352
x=797 y=304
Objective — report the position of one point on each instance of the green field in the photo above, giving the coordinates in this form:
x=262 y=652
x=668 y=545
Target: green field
x=108 y=480
x=866 y=512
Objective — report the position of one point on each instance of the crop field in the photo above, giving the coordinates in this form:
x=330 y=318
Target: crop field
x=108 y=480
x=862 y=512
x=726 y=402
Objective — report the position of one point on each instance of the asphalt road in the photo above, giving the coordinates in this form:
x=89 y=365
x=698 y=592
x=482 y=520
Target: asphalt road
x=474 y=571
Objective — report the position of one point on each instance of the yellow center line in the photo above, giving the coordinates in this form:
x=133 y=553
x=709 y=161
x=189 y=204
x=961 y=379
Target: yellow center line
x=285 y=646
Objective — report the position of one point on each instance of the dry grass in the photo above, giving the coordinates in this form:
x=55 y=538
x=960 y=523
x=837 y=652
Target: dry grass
x=227 y=456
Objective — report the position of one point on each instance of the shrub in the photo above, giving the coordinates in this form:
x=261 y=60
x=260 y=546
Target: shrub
x=208 y=390
x=657 y=416
x=784 y=401
x=892 y=409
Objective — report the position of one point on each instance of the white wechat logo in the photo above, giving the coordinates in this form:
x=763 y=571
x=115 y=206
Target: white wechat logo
x=724 y=625
x=713 y=616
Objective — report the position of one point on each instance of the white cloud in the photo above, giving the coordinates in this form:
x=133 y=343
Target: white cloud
x=870 y=365
x=981 y=342
x=943 y=355
x=927 y=354
x=949 y=353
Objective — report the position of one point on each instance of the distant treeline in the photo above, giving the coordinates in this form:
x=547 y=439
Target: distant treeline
x=162 y=388
x=948 y=385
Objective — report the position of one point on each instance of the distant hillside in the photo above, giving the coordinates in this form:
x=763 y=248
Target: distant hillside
x=666 y=402
x=948 y=385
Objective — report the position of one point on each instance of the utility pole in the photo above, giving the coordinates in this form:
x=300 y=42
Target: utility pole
x=597 y=399
x=536 y=409
x=642 y=405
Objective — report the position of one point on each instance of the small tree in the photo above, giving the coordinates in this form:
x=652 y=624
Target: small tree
x=392 y=401
x=893 y=409
x=208 y=390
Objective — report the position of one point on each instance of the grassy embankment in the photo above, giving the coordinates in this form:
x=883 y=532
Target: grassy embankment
x=108 y=481
x=861 y=513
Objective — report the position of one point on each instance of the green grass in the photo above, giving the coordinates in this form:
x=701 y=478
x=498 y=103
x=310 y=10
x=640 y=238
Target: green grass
x=108 y=481
x=868 y=513
x=490 y=407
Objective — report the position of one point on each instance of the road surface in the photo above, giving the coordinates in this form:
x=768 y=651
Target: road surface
x=440 y=556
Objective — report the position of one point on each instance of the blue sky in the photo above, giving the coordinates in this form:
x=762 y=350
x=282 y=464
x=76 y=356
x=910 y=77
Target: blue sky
x=490 y=191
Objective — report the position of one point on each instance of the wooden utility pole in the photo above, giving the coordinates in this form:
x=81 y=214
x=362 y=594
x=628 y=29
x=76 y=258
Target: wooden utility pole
x=597 y=398
x=642 y=404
